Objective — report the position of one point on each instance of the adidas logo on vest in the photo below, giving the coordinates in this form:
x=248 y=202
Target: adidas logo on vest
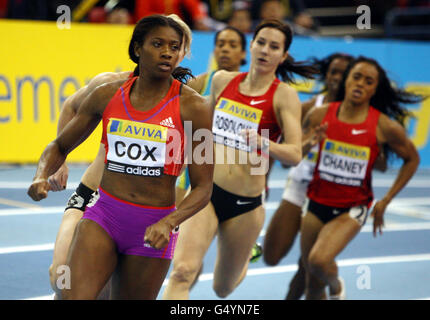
x=167 y=122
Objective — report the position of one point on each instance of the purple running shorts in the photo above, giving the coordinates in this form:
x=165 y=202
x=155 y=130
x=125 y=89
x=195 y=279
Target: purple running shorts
x=126 y=223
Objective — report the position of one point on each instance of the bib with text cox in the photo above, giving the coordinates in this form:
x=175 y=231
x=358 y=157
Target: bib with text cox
x=136 y=148
x=343 y=163
x=230 y=118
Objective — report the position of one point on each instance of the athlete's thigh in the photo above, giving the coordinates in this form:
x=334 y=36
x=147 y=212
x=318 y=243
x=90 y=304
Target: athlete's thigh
x=236 y=236
x=65 y=233
x=195 y=237
x=92 y=259
x=282 y=229
x=138 y=277
x=334 y=236
x=309 y=229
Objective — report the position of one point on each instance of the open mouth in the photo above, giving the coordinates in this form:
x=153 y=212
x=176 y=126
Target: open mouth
x=165 y=66
x=357 y=93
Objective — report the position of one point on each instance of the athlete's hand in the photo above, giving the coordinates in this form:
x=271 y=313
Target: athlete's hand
x=58 y=181
x=378 y=216
x=39 y=189
x=158 y=234
x=252 y=138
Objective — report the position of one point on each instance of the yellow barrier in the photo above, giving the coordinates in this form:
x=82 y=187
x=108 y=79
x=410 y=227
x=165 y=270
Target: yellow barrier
x=43 y=65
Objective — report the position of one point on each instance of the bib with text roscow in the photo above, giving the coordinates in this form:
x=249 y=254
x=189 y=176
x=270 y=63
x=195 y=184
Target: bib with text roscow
x=136 y=148
x=230 y=118
x=343 y=163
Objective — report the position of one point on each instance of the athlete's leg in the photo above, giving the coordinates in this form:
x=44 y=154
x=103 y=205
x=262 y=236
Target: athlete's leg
x=281 y=232
x=298 y=283
x=92 y=259
x=332 y=239
x=236 y=237
x=70 y=219
x=310 y=228
x=90 y=180
x=138 y=277
x=195 y=237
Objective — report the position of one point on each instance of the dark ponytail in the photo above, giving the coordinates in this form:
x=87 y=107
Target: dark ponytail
x=286 y=70
x=182 y=74
x=144 y=26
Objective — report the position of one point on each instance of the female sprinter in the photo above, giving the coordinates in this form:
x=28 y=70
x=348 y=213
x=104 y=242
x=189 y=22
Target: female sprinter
x=367 y=118
x=130 y=232
x=256 y=100
x=90 y=180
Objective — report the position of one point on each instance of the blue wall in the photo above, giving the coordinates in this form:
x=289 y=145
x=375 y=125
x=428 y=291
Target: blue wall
x=407 y=63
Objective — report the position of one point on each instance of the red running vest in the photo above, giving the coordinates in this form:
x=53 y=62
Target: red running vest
x=144 y=143
x=343 y=173
x=235 y=111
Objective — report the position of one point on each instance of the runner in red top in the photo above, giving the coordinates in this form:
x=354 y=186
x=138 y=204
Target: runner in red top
x=245 y=104
x=341 y=191
x=345 y=161
x=91 y=178
x=120 y=117
x=131 y=228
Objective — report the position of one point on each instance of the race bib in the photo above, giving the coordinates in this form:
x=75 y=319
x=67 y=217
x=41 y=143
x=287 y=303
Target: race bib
x=230 y=118
x=136 y=148
x=343 y=163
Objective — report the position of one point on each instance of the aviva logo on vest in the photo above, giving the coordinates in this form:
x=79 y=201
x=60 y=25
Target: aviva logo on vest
x=132 y=129
x=239 y=110
x=346 y=149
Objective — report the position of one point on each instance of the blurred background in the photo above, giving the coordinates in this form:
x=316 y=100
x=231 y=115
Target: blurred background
x=51 y=48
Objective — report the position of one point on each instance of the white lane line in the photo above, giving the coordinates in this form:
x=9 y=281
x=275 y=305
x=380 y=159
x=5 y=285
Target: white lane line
x=26 y=211
x=389 y=227
x=20 y=204
x=340 y=263
x=275 y=184
x=367 y=228
x=293 y=267
x=26 y=185
x=379 y=182
x=30 y=248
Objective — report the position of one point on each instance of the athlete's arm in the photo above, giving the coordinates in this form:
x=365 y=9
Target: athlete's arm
x=312 y=128
x=75 y=132
x=58 y=180
x=196 y=109
x=288 y=110
x=393 y=134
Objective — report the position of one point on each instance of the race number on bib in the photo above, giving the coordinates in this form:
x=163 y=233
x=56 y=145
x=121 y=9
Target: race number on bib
x=136 y=148
x=230 y=118
x=343 y=163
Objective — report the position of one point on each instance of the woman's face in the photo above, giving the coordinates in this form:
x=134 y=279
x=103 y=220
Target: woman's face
x=361 y=83
x=267 y=49
x=228 y=50
x=335 y=73
x=161 y=51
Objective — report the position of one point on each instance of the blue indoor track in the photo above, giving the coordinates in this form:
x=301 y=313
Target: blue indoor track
x=396 y=264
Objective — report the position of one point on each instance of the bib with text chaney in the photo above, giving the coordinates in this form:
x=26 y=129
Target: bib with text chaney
x=136 y=148
x=343 y=163
x=230 y=118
